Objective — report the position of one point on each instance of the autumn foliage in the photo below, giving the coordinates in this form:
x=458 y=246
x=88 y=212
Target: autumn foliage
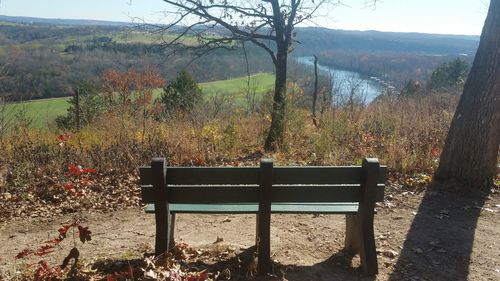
x=131 y=90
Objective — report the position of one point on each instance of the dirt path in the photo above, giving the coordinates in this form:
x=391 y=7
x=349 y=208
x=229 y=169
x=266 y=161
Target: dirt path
x=431 y=236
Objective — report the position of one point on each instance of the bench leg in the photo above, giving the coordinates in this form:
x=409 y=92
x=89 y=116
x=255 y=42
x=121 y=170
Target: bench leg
x=163 y=220
x=171 y=242
x=264 y=244
x=352 y=234
x=264 y=265
x=360 y=239
x=257 y=231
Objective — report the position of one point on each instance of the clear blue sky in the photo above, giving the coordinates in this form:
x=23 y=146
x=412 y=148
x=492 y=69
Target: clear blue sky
x=429 y=16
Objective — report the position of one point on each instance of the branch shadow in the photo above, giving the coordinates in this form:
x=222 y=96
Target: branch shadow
x=439 y=243
x=339 y=266
x=241 y=266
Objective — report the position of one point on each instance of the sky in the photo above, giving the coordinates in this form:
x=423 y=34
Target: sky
x=426 y=16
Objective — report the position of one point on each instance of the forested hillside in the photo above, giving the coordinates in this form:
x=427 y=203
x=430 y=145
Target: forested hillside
x=41 y=58
x=394 y=56
x=42 y=61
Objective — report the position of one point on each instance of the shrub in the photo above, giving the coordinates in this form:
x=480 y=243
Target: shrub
x=181 y=95
x=86 y=105
x=449 y=75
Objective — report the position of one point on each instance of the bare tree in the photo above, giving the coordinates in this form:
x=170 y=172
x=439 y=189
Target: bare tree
x=6 y=111
x=268 y=24
x=315 y=92
x=471 y=149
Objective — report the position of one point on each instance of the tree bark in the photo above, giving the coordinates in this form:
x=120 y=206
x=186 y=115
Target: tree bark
x=77 y=105
x=315 y=93
x=284 y=28
x=277 y=130
x=471 y=149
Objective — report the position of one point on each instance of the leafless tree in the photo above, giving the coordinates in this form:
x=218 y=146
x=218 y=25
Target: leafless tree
x=6 y=111
x=268 y=24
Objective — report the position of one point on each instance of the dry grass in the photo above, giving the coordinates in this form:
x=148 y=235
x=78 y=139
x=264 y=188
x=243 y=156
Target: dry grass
x=406 y=134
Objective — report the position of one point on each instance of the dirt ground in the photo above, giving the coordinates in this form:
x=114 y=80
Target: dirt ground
x=420 y=236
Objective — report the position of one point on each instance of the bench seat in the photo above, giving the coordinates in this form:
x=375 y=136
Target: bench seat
x=253 y=208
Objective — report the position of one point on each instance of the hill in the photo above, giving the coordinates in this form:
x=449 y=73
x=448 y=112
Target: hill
x=315 y=39
x=71 y=22
x=43 y=57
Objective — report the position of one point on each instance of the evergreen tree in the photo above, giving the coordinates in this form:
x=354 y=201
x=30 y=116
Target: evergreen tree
x=181 y=95
x=85 y=106
x=449 y=75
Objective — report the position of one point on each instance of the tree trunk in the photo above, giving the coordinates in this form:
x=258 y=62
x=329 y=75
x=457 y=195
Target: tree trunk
x=470 y=153
x=78 y=110
x=315 y=93
x=277 y=129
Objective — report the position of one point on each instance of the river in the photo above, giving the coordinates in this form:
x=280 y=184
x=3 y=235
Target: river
x=345 y=81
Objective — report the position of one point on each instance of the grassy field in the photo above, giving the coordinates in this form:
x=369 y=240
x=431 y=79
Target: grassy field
x=237 y=87
x=43 y=112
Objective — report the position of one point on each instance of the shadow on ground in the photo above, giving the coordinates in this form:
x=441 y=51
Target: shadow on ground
x=437 y=246
x=439 y=243
x=337 y=267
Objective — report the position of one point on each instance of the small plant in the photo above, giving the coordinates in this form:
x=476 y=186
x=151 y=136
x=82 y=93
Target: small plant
x=46 y=272
x=75 y=187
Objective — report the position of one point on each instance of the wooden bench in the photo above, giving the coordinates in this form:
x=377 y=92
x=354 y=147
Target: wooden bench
x=263 y=190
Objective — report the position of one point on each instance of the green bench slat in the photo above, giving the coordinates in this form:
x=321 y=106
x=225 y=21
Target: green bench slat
x=313 y=208
x=205 y=175
x=250 y=175
x=250 y=208
x=323 y=175
x=250 y=194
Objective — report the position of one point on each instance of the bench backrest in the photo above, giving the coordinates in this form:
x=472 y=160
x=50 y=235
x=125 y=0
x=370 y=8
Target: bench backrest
x=202 y=185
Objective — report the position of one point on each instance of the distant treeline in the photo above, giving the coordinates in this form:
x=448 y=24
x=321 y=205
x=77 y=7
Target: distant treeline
x=395 y=68
x=392 y=56
x=315 y=39
x=44 y=61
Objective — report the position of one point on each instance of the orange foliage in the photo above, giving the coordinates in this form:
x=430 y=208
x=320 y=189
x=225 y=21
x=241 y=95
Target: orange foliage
x=131 y=87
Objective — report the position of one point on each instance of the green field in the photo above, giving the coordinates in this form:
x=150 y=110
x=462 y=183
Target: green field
x=148 y=38
x=237 y=87
x=43 y=112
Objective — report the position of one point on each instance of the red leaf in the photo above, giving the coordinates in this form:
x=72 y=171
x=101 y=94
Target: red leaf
x=44 y=250
x=63 y=138
x=54 y=241
x=63 y=230
x=86 y=181
x=435 y=152
x=89 y=171
x=44 y=272
x=198 y=161
x=74 y=170
x=69 y=186
x=198 y=277
x=24 y=253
